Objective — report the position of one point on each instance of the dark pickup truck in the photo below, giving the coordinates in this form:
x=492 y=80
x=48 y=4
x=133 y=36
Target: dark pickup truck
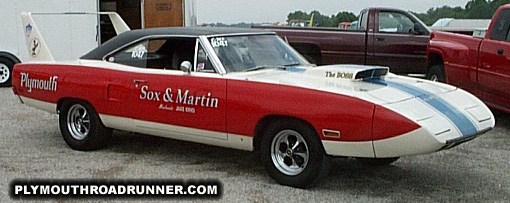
x=384 y=36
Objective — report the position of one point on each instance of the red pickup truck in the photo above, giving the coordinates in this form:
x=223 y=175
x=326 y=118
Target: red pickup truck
x=384 y=36
x=479 y=64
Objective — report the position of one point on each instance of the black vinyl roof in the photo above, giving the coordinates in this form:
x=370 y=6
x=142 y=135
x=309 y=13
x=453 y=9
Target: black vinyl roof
x=130 y=36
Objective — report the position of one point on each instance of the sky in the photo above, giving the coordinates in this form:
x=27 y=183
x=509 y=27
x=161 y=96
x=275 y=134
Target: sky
x=258 y=11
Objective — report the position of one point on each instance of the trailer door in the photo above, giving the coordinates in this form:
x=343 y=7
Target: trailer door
x=162 y=13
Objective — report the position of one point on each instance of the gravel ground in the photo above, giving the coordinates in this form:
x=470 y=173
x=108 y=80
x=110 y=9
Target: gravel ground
x=31 y=146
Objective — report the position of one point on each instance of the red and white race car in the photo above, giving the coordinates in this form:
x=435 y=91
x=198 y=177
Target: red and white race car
x=245 y=89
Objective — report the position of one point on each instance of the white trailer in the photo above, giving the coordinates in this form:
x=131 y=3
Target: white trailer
x=463 y=26
x=69 y=37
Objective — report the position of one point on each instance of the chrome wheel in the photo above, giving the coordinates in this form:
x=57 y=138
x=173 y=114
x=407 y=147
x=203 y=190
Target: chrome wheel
x=4 y=73
x=434 y=78
x=78 y=122
x=81 y=126
x=289 y=152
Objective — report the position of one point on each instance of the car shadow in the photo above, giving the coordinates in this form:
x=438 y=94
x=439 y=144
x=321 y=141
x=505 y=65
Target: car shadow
x=407 y=175
x=402 y=177
x=170 y=151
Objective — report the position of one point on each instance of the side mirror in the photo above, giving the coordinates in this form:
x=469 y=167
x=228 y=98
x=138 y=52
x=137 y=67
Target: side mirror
x=417 y=29
x=186 y=66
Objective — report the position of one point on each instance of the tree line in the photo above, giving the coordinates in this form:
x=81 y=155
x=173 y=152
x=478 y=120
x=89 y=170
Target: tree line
x=320 y=20
x=474 y=9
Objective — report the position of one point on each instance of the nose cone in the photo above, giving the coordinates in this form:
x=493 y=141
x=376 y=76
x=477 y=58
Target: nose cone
x=445 y=118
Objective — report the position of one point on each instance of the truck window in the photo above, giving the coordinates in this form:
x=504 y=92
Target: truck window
x=393 y=22
x=363 y=19
x=500 y=28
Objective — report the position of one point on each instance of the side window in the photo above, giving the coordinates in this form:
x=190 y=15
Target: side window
x=159 y=53
x=203 y=62
x=363 y=20
x=392 y=22
x=501 y=27
x=135 y=55
x=145 y=54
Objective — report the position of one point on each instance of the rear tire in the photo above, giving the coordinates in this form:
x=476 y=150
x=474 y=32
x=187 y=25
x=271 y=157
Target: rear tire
x=436 y=73
x=6 y=66
x=81 y=127
x=293 y=154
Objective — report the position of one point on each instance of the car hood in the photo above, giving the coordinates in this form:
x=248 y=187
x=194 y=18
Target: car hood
x=371 y=83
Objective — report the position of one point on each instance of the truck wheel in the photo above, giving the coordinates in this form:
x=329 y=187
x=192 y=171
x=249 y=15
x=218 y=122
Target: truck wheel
x=377 y=161
x=6 y=66
x=81 y=127
x=436 y=73
x=293 y=154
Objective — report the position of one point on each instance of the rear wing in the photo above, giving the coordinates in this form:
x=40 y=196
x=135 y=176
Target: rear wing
x=37 y=47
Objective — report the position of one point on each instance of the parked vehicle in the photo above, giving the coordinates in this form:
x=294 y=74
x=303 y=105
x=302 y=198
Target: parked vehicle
x=462 y=26
x=246 y=89
x=480 y=64
x=73 y=36
x=344 y=25
x=383 y=36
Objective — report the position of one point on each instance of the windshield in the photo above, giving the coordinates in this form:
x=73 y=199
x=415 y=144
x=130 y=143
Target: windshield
x=253 y=52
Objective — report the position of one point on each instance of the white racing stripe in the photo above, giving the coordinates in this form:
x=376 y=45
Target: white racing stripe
x=416 y=142
x=42 y=105
x=180 y=133
x=163 y=130
x=349 y=149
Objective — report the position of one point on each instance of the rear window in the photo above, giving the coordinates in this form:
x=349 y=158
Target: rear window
x=501 y=27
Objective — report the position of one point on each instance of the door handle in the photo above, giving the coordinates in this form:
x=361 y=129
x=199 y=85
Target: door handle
x=379 y=39
x=137 y=82
x=501 y=51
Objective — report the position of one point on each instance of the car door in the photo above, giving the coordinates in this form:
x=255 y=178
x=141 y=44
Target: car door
x=395 y=43
x=494 y=66
x=169 y=102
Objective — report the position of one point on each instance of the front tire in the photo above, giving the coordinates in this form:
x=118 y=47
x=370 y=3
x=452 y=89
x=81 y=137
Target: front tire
x=6 y=66
x=81 y=127
x=293 y=154
x=436 y=73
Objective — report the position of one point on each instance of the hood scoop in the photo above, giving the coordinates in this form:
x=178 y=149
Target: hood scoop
x=350 y=72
